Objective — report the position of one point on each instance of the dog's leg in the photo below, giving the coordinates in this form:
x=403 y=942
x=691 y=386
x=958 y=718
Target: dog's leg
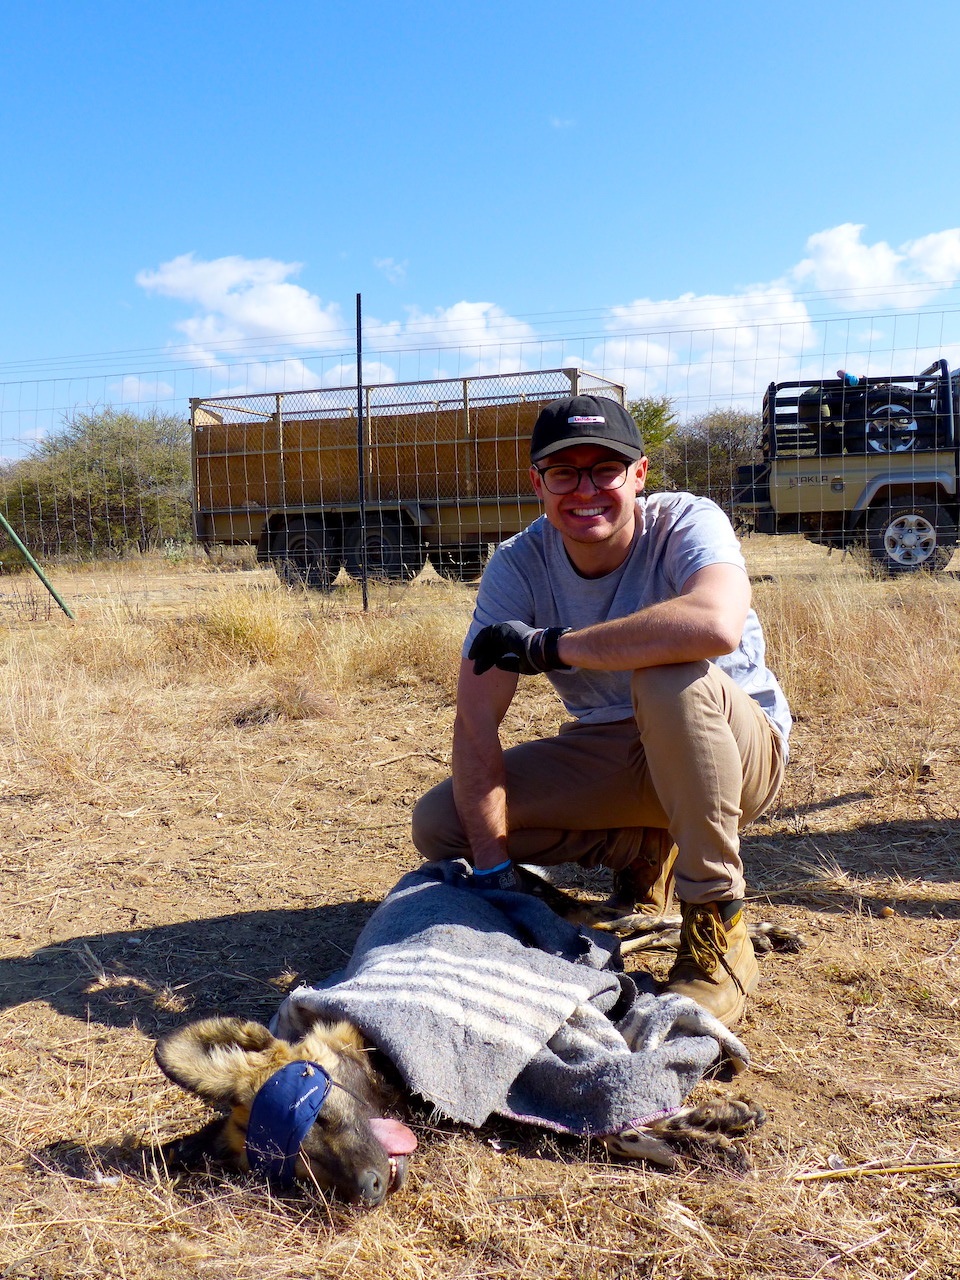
x=716 y=1123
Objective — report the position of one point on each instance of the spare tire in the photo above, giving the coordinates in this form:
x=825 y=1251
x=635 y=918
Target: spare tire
x=891 y=423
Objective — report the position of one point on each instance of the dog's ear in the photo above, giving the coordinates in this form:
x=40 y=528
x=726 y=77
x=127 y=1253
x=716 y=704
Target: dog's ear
x=323 y=1037
x=221 y=1059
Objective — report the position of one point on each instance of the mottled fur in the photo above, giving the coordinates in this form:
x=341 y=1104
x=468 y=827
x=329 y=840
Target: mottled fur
x=716 y=1123
x=226 y=1060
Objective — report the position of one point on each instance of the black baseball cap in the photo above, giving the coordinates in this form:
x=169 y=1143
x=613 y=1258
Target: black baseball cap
x=585 y=420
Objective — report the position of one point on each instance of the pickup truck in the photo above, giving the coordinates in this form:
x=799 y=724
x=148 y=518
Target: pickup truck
x=863 y=461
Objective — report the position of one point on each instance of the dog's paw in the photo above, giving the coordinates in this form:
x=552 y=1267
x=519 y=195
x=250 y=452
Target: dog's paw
x=716 y=1120
x=639 y=1144
x=775 y=937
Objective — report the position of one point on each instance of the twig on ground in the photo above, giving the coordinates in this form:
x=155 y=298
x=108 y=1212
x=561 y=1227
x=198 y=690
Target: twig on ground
x=865 y=1170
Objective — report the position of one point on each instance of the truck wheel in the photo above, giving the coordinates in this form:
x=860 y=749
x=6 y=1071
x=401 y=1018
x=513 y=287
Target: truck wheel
x=914 y=536
x=461 y=563
x=301 y=556
x=394 y=550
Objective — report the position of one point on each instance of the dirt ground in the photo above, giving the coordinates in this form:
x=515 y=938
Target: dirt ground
x=225 y=857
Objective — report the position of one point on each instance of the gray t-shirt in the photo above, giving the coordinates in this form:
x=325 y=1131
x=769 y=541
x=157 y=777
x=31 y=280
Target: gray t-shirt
x=530 y=579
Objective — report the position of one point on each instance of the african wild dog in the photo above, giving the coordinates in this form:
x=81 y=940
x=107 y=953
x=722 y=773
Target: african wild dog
x=312 y=1110
x=319 y=1118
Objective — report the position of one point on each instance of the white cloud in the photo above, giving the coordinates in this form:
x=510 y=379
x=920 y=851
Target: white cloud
x=847 y=302
x=396 y=272
x=344 y=374
x=871 y=275
x=725 y=349
x=136 y=390
x=249 y=305
x=705 y=349
x=464 y=324
x=243 y=298
x=465 y=339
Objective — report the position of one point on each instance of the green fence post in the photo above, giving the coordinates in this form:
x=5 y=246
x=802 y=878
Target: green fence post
x=5 y=523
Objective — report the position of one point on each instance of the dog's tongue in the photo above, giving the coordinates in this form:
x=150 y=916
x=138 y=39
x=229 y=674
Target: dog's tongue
x=395 y=1138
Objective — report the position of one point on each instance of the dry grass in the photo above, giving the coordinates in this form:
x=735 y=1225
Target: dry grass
x=205 y=785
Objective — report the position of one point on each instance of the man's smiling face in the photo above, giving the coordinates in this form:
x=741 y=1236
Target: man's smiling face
x=596 y=525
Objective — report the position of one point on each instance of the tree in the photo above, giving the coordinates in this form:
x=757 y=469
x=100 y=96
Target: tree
x=657 y=423
x=106 y=482
x=707 y=450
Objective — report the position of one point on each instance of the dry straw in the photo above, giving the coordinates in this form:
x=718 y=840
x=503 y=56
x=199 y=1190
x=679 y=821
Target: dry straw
x=206 y=783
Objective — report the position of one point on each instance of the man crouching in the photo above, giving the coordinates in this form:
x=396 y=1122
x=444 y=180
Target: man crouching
x=637 y=608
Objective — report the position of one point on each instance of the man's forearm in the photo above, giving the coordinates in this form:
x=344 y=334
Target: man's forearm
x=479 y=791
x=657 y=636
x=704 y=621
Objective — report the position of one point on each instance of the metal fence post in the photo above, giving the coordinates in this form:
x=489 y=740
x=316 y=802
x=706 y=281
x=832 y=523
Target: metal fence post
x=8 y=528
x=361 y=469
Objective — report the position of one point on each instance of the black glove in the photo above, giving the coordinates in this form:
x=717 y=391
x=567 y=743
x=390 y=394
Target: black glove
x=503 y=876
x=513 y=646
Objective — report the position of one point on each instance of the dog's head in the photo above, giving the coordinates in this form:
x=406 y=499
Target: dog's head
x=307 y=1111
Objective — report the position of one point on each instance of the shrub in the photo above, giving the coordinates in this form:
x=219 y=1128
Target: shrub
x=107 y=482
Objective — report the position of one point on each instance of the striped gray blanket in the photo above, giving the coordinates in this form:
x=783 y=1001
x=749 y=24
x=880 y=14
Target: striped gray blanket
x=489 y=1003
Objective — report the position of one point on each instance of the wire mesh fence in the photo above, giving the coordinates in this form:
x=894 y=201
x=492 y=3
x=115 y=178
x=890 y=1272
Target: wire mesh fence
x=754 y=415
x=436 y=469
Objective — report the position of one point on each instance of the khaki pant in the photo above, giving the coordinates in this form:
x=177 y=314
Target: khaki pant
x=700 y=759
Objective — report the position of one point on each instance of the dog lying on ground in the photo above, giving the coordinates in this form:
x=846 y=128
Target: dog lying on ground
x=346 y=1146
x=310 y=1111
x=313 y=1110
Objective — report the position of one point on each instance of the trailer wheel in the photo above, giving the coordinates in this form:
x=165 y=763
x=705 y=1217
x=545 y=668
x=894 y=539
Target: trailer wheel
x=903 y=539
x=462 y=563
x=394 y=550
x=301 y=556
x=263 y=546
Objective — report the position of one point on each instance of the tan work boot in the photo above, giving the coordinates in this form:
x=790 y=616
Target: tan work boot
x=715 y=963
x=645 y=887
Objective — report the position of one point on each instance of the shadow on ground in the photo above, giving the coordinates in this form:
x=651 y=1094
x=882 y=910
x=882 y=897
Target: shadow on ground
x=833 y=870
x=154 y=978
x=243 y=964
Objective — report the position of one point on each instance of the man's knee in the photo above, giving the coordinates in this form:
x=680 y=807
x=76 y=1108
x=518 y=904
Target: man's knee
x=435 y=824
x=669 y=685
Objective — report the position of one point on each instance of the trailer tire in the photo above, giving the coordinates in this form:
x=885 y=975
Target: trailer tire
x=301 y=556
x=912 y=536
x=263 y=546
x=394 y=550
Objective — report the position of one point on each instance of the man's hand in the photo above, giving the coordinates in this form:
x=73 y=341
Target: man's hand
x=513 y=646
x=503 y=876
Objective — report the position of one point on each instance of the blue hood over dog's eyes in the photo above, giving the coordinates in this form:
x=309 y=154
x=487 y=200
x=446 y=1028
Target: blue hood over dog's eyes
x=282 y=1115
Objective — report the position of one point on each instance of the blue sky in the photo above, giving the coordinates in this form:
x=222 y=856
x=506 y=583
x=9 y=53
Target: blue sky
x=674 y=194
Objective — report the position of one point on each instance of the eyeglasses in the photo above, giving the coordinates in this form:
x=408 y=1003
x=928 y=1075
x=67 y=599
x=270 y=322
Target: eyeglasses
x=609 y=474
